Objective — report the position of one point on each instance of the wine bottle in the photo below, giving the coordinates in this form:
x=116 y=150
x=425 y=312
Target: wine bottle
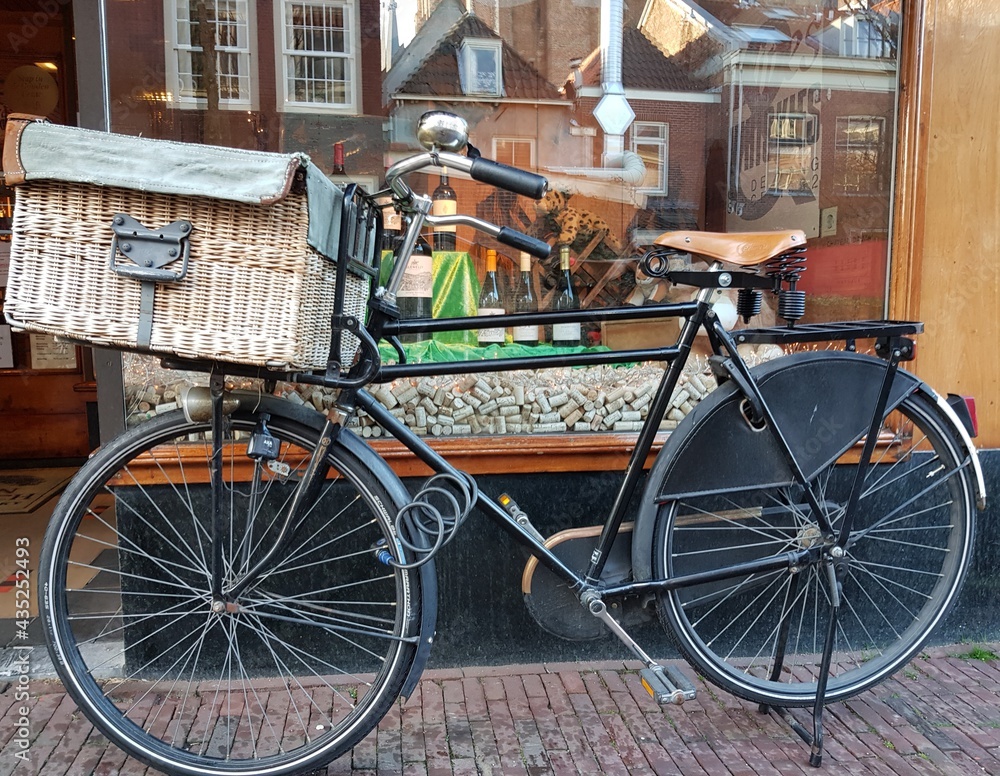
x=338 y=159
x=392 y=224
x=444 y=202
x=525 y=302
x=416 y=291
x=565 y=335
x=490 y=302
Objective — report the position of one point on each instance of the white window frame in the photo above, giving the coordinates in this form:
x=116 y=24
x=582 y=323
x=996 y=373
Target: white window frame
x=843 y=150
x=177 y=43
x=529 y=141
x=468 y=69
x=284 y=54
x=796 y=132
x=874 y=45
x=660 y=141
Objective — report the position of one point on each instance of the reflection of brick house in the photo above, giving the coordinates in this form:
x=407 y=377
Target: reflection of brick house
x=804 y=126
x=263 y=93
x=548 y=34
x=807 y=105
x=673 y=111
x=457 y=62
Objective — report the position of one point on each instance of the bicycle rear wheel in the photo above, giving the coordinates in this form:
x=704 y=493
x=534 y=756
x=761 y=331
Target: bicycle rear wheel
x=295 y=672
x=760 y=636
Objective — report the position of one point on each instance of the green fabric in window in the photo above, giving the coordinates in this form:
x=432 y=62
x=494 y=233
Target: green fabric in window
x=456 y=291
x=432 y=351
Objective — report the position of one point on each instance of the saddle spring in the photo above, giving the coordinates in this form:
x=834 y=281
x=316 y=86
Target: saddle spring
x=787 y=269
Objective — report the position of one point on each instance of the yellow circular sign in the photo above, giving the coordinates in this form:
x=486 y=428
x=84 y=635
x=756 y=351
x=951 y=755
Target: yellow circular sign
x=29 y=89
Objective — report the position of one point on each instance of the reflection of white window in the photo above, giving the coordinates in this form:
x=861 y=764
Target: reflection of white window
x=188 y=78
x=791 y=153
x=760 y=34
x=515 y=151
x=650 y=139
x=480 y=68
x=858 y=164
x=317 y=65
x=861 y=37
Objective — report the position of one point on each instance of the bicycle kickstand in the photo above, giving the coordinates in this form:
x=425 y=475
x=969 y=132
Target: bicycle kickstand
x=815 y=738
x=834 y=571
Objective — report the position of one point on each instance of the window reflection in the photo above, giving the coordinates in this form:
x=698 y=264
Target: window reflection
x=727 y=116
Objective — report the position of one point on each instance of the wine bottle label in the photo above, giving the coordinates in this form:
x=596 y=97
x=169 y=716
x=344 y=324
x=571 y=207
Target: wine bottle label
x=566 y=331
x=494 y=335
x=418 y=279
x=444 y=207
x=526 y=334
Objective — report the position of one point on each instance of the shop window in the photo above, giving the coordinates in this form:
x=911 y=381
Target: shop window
x=316 y=53
x=650 y=140
x=515 y=151
x=189 y=81
x=859 y=168
x=481 y=66
x=791 y=148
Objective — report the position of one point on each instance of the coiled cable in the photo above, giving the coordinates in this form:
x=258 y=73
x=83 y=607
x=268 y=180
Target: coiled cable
x=436 y=512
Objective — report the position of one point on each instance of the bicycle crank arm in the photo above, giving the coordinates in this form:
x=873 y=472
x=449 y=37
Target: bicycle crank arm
x=665 y=684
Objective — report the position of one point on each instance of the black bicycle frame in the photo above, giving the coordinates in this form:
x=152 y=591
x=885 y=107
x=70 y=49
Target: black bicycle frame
x=698 y=314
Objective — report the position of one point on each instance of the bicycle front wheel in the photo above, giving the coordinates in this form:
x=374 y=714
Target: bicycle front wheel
x=287 y=677
x=761 y=635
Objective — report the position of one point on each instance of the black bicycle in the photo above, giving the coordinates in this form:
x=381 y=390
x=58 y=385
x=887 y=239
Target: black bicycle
x=243 y=586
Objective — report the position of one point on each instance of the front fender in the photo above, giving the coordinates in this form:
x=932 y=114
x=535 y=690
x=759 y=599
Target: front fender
x=823 y=402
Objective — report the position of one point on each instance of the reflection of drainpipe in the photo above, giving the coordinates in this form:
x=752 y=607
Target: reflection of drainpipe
x=613 y=113
x=612 y=16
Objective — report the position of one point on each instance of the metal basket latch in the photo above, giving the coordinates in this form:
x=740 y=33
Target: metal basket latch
x=142 y=254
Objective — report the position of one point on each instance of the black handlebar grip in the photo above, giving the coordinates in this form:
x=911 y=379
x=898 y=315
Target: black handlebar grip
x=522 y=242
x=509 y=178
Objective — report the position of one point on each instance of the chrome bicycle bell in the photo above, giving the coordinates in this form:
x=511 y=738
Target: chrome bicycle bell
x=438 y=130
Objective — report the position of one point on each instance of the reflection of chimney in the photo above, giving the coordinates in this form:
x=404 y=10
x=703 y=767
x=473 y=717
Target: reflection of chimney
x=576 y=72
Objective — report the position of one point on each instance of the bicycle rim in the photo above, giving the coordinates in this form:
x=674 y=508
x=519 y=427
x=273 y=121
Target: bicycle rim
x=761 y=636
x=298 y=670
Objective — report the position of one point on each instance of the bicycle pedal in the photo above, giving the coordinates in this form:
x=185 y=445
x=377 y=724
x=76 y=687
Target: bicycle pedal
x=667 y=684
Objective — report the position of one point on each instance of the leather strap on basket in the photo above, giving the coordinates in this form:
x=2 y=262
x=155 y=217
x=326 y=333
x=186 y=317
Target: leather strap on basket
x=13 y=170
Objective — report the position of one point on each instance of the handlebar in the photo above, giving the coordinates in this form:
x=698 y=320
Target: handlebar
x=418 y=207
x=510 y=178
x=479 y=168
x=504 y=234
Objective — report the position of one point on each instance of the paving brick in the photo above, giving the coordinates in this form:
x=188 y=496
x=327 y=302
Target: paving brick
x=517 y=700
x=573 y=682
x=558 y=697
x=485 y=745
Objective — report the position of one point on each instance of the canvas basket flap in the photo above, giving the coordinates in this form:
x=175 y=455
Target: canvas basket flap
x=44 y=151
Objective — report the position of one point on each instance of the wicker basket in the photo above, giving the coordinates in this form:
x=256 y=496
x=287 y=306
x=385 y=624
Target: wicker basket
x=255 y=291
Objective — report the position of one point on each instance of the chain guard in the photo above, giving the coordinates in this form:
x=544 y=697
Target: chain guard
x=556 y=608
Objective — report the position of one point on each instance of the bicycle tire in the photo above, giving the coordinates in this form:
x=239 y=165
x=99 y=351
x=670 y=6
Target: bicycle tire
x=910 y=550
x=315 y=653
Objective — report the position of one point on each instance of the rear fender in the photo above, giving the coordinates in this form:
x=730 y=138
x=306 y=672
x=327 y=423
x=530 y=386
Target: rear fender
x=823 y=402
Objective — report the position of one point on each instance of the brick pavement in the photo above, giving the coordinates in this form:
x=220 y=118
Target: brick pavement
x=941 y=715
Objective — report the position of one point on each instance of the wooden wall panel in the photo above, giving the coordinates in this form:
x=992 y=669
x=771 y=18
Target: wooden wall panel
x=947 y=258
